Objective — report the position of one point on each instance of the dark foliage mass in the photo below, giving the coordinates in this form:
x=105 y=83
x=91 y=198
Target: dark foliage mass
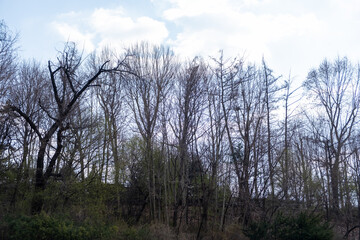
x=303 y=226
x=141 y=145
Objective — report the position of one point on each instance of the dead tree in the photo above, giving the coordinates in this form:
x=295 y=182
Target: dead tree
x=67 y=89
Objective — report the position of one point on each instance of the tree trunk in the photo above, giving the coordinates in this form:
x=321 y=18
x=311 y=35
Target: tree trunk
x=38 y=198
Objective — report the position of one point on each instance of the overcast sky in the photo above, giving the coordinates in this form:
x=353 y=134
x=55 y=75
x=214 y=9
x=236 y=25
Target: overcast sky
x=292 y=35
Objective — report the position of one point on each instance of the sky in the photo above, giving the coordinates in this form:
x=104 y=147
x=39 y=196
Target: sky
x=292 y=35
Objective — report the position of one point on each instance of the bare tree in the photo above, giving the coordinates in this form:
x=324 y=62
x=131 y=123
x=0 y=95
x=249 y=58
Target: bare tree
x=8 y=64
x=271 y=89
x=216 y=148
x=285 y=153
x=356 y=179
x=111 y=97
x=243 y=107
x=249 y=114
x=335 y=86
x=187 y=112
x=67 y=89
x=152 y=70
x=26 y=91
x=8 y=58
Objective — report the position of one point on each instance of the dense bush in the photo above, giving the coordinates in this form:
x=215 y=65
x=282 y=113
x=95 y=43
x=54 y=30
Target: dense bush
x=300 y=227
x=44 y=227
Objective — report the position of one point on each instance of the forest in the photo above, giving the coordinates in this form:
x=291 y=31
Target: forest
x=142 y=144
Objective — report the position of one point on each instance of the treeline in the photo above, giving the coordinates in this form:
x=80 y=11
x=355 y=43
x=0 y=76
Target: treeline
x=198 y=145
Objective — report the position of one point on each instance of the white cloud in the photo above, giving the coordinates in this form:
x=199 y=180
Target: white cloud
x=209 y=42
x=110 y=27
x=72 y=33
x=115 y=28
x=347 y=7
x=225 y=25
x=291 y=34
x=191 y=8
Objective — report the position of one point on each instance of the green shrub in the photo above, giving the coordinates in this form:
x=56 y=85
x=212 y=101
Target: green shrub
x=301 y=227
x=44 y=227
